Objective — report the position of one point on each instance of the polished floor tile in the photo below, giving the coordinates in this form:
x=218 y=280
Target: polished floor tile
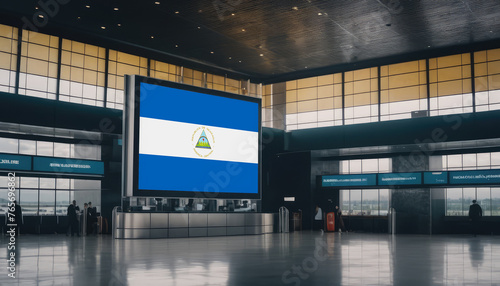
x=300 y=258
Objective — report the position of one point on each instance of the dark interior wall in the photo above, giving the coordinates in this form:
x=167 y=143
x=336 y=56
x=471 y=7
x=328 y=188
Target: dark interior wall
x=412 y=210
x=272 y=144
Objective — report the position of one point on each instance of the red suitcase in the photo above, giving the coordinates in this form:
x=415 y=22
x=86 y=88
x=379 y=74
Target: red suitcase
x=330 y=221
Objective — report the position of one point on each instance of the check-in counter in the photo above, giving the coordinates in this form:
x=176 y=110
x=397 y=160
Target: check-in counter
x=170 y=225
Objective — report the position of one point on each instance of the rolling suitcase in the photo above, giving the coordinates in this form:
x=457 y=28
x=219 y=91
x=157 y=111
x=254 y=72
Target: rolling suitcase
x=330 y=221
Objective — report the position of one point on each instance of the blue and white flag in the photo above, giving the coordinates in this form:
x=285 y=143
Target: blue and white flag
x=190 y=141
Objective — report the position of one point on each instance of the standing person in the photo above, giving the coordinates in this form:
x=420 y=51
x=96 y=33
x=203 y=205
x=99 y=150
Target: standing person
x=72 y=219
x=475 y=214
x=340 y=220
x=318 y=219
x=17 y=215
x=91 y=219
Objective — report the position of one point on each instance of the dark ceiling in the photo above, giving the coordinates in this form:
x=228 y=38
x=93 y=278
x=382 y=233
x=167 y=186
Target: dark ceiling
x=270 y=40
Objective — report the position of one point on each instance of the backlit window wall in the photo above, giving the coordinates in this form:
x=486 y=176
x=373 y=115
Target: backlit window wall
x=487 y=79
x=8 y=58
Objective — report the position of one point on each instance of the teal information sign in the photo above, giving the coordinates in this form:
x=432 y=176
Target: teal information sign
x=435 y=178
x=348 y=180
x=475 y=177
x=395 y=179
x=15 y=162
x=61 y=165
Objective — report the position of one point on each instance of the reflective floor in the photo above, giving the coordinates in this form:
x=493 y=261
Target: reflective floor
x=300 y=258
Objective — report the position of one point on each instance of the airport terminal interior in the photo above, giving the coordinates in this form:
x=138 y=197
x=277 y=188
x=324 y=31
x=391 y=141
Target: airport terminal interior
x=233 y=142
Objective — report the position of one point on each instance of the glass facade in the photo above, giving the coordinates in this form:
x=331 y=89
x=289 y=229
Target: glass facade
x=373 y=202
x=8 y=58
x=487 y=79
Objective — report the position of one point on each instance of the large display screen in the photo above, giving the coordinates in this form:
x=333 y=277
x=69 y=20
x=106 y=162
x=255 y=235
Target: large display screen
x=195 y=142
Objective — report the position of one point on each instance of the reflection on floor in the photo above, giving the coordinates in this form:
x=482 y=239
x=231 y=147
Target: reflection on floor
x=300 y=258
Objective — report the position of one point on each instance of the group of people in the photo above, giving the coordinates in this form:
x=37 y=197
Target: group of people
x=74 y=219
x=339 y=221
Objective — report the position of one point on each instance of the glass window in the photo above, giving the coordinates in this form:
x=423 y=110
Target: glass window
x=62 y=184
x=9 y=145
x=29 y=201
x=384 y=201
x=48 y=183
x=27 y=147
x=4 y=198
x=355 y=203
x=62 y=150
x=8 y=58
x=62 y=202
x=469 y=195
x=45 y=148
x=344 y=201
x=29 y=182
x=370 y=203
x=454 y=202
x=495 y=201
x=487 y=75
x=484 y=200
x=47 y=202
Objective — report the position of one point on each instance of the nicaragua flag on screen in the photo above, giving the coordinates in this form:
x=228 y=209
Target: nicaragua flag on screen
x=197 y=142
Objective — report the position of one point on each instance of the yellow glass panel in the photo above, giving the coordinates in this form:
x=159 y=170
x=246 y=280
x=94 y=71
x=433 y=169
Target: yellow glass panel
x=494 y=82
x=266 y=101
x=143 y=71
x=102 y=52
x=198 y=76
x=374 y=84
x=92 y=50
x=374 y=97
x=307 y=82
x=452 y=73
x=405 y=93
x=449 y=61
x=348 y=100
x=325 y=80
x=401 y=68
x=5 y=61
x=493 y=55
x=348 y=88
x=361 y=74
x=362 y=86
x=232 y=82
x=494 y=67
x=123 y=69
x=384 y=96
x=24 y=63
x=384 y=83
x=337 y=78
x=120 y=83
x=6 y=45
x=466 y=59
x=218 y=87
x=232 y=89
x=159 y=66
x=6 y=31
x=112 y=81
x=325 y=91
x=480 y=57
x=384 y=70
x=291 y=108
x=38 y=67
x=113 y=55
x=175 y=70
x=128 y=59
x=37 y=38
x=423 y=91
x=77 y=60
x=337 y=102
x=433 y=90
x=348 y=76
x=78 y=47
x=90 y=77
x=53 y=55
x=65 y=58
x=175 y=78
x=481 y=83
x=433 y=64
x=467 y=86
x=466 y=71
x=422 y=65
x=291 y=95
x=144 y=62
x=159 y=75
x=307 y=106
x=188 y=73
x=101 y=78
x=52 y=70
x=66 y=45
x=325 y=103
x=198 y=83
x=218 y=80
x=76 y=74
x=374 y=72
x=337 y=90
x=90 y=63
x=101 y=64
x=481 y=69
x=433 y=76
x=54 y=42
x=291 y=85
x=450 y=88
x=307 y=93
x=268 y=89
x=38 y=52
x=65 y=72
x=362 y=99
x=422 y=77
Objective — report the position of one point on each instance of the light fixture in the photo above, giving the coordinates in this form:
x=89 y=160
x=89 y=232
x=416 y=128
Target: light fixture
x=243 y=30
x=102 y=27
x=428 y=46
x=88 y=6
x=261 y=55
x=230 y=58
x=295 y=8
x=232 y=14
x=176 y=46
x=157 y=3
x=36 y=8
x=211 y=52
x=78 y=18
x=40 y=16
x=239 y=61
x=319 y=14
x=152 y=37
x=116 y=9
x=199 y=27
x=119 y=25
x=176 y=12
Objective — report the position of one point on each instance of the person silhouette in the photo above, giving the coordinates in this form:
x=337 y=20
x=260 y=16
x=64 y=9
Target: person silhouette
x=475 y=215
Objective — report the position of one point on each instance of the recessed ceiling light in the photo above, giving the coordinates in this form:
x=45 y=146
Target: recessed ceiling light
x=119 y=25
x=36 y=8
x=261 y=55
x=243 y=30
x=212 y=52
x=239 y=61
x=232 y=14
x=116 y=9
x=152 y=37
x=79 y=18
x=200 y=11
x=176 y=12
x=319 y=14
x=428 y=46
x=199 y=27
x=40 y=16
x=176 y=46
x=157 y=3
x=102 y=27
x=295 y=8
x=88 y=6
x=230 y=58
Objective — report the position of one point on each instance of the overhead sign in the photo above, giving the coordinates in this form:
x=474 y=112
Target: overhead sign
x=15 y=162
x=435 y=178
x=61 y=165
x=349 y=180
x=475 y=177
x=395 y=179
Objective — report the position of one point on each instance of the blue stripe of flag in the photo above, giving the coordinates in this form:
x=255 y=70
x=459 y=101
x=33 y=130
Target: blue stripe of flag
x=165 y=173
x=160 y=102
